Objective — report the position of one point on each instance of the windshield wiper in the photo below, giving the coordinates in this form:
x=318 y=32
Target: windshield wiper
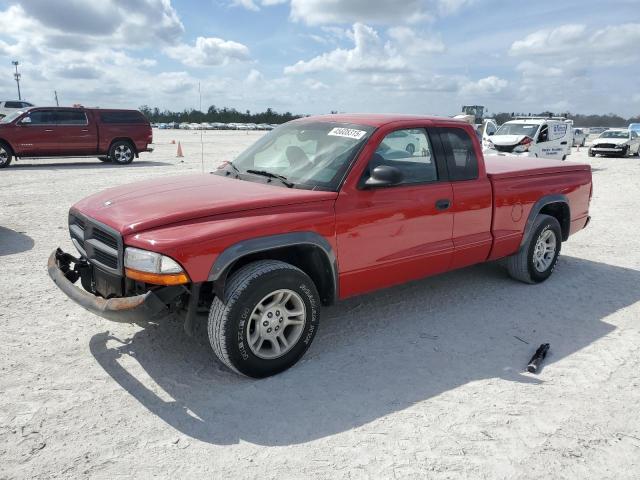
x=264 y=173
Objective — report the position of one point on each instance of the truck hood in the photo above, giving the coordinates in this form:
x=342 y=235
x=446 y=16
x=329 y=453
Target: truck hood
x=144 y=205
x=506 y=140
x=612 y=141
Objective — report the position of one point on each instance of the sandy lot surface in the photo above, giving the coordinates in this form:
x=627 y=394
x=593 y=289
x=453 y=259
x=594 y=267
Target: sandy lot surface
x=420 y=381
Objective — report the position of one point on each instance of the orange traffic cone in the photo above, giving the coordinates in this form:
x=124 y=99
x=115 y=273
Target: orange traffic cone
x=179 y=152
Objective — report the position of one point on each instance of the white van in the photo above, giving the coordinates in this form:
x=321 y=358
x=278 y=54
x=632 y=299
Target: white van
x=532 y=137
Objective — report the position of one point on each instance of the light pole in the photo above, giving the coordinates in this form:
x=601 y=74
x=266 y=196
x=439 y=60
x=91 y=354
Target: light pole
x=17 y=77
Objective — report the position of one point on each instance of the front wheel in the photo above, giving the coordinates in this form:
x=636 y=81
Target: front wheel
x=121 y=152
x=6 y=155
x=266 y=321
x=537 y=258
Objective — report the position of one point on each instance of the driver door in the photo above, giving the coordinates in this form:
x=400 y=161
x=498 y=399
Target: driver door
x=393 y=234
x=36 y=134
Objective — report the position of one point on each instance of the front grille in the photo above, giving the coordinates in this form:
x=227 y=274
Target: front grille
x=105 y=238
x=98 y=243
x=504 y=148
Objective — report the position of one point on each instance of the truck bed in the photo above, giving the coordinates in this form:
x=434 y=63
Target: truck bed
x=505 y=166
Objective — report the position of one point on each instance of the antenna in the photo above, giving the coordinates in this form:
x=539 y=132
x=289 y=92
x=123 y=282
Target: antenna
x=201 y=132
x=17 y=77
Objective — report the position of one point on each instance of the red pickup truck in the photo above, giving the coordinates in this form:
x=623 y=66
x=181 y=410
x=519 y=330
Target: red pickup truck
x=318 y=210
x=111 y=135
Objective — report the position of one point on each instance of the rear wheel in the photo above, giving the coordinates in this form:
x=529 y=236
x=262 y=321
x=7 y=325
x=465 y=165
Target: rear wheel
x=537 y=258
x=121 y=152
x=6 y=155
x=266 y=321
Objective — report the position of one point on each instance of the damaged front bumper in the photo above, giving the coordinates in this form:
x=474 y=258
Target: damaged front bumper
x=140 y=308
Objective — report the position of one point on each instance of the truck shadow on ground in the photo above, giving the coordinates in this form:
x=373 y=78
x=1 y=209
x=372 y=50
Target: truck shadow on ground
x=375 y=354
x=89 y=164
x=14 y=242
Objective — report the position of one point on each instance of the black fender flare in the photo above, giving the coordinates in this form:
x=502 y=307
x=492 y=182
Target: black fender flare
x=537 y=208
x=235 y=252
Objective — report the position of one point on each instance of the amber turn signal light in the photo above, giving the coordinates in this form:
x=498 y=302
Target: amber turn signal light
x=157 y=278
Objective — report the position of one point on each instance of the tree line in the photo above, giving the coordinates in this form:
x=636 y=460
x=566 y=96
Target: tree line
x=579 y=120
x=215 y=114
x=231 y=115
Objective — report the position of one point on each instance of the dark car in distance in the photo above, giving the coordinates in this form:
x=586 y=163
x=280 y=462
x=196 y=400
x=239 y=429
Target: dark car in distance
x=109 y=134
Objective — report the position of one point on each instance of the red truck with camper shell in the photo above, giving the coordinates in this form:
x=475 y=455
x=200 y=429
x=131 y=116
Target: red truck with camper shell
x=320 y=209
x=109 y=134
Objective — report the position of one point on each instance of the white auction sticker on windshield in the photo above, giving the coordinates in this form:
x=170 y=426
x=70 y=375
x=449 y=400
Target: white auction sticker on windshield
x=347 y=132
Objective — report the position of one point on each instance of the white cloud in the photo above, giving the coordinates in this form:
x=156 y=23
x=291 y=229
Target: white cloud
x=550 y=41
x=315 y=84
x=490 y=85
x=254 y=77
x=122 y=22
x=369 y=54
x=610 y=45
x=413 y=43
x=209 y=51
x=248 y=4
x=317 y=12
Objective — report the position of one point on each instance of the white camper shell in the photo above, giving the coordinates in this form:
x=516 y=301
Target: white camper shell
x=532 y=137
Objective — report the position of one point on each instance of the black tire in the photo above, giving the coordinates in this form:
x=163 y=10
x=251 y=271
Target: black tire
x=121 y=152
x=229 y=320
x=411 y=149
x=104 y=159
x=521 y=265
x=6 y=155
x=625 y=152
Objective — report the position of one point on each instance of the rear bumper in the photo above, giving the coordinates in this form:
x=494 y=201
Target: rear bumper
x=139 y=308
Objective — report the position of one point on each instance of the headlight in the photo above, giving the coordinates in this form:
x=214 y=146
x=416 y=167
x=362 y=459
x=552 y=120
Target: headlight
x=151 y=267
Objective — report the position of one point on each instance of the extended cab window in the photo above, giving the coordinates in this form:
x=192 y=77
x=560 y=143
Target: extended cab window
x=410 y=152
x=462 y=162
x=123 y=116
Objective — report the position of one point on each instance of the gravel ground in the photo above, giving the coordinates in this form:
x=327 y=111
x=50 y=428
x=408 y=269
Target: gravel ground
x=420 y=381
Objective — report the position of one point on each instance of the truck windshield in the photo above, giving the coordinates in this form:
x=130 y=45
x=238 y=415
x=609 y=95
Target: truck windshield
x=304 y=155
x=615 y=134
x=12 y=116
x=528 y=129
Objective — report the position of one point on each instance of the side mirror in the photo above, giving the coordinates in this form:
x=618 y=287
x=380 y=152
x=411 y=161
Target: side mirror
x=384 y=176
x=25 y=121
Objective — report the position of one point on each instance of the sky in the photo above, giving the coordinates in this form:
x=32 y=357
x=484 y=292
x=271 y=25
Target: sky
x=317 y=56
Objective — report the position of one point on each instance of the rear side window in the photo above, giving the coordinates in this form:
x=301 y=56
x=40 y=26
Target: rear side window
x=69 y=117
x=461 y=157
x=123 y=116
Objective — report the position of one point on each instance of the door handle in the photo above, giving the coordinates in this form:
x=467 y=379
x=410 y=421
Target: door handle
x=443 y=204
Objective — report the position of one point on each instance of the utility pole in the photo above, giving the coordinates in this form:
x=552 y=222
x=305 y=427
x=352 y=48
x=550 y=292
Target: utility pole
x=17 y=77
x=55 y=92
